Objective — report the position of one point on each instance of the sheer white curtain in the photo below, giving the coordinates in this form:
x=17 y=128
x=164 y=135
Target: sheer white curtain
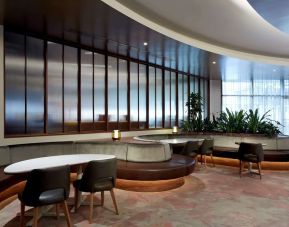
x=264 y=94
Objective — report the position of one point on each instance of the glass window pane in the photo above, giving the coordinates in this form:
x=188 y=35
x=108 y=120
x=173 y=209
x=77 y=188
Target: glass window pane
x=152 y=98
x=142 y=96
x=70 y=89
x=14 y=83
x=54 y=87
x=35 y=85
x=122 y=89
x=192 y=84
x=185 y=97
x=133 y=92
x=86 y=90
x=181 y=98
x=159 y=98
x=173 y=99
x=167 y=99
x=112 y=89
x=99 y=87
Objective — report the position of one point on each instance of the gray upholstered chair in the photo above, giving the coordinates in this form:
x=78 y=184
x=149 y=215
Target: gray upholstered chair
x=98 y=176
x=206 y=149
x=191 y=149
x=46 y=187
x=250 y=153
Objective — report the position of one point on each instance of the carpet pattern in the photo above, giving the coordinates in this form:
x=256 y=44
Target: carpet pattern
x=210 y=197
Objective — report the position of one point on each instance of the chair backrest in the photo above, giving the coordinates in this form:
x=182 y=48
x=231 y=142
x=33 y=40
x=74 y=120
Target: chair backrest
x=98 y=170
x=251 y=148
x=40 y=181
x=190 y=146
x=206 y=146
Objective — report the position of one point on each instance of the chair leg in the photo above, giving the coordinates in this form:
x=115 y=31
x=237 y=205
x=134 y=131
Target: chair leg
x=102 y=198
x=35 y=216
x=196 y=160
x=114 y=201
x=91 y=208
x=57 y=210
x=259 y=167
x=67 y=215
x=22 y=211
x=76 y=198
x=205 y=161
x=241 y=168
x=212 y=160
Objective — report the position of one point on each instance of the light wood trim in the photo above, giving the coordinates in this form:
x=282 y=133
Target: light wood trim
x=35 y=216
x=91 y=208
x=114 y=201
x=102 y=198
x=149 y=186
x=22 y=211
x=67 y=215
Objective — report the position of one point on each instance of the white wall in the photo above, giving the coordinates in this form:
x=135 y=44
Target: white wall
x=215 y=97
x=1 y=85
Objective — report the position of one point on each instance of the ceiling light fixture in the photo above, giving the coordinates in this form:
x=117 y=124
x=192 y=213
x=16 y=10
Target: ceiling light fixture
x=214 y=62
x=145 y=43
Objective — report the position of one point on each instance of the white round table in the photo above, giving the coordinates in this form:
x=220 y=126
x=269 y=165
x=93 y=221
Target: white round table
x=180 y=140
x=53 y=161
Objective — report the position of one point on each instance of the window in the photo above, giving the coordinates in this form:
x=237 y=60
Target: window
x=112 y=89
x=14 y=84
x=99 y=92
x=134 y=97
x=159 y=98
x=70 y=89
x=86 y=73
x=53 y=88
x=152 y=97
x=264 y=94
x=35 y=85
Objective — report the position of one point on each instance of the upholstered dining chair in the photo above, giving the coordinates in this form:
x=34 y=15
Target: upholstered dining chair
x=191 y=149
x=205 y=149
x=98 y=176
x=250 y=153
x=46 y=187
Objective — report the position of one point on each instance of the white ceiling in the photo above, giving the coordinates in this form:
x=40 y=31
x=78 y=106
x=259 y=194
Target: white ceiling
x=227 y=27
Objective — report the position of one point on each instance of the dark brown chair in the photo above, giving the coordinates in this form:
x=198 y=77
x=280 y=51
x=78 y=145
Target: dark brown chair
x=206 y=149
x=98 y=176
x=250 y=153
x=46 y=187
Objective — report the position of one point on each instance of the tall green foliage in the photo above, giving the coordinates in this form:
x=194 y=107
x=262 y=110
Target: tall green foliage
x=254 y=121
x=194 y=105
x=232 y=121
x=228 y=121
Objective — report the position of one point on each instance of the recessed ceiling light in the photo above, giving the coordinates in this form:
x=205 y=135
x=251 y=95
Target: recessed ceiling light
x=145 y=43
x=214 y=62
x=274 y=70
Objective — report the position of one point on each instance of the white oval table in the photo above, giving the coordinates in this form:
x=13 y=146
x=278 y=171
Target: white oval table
x=53 y=161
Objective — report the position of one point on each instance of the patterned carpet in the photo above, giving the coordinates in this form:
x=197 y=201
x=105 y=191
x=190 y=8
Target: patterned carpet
x=210 y=197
